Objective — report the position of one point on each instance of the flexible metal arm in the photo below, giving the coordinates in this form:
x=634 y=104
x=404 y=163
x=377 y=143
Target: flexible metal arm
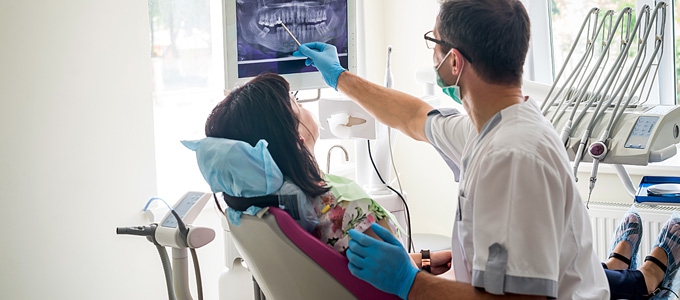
x=602 y=90
x=658 y=45
x=598 y=150
x=596 y=70
x=545 y=106
x=599 y=109
x=612 y=76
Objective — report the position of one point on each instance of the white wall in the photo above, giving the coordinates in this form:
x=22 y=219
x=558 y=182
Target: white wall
x=424 y=176
x=77 y=154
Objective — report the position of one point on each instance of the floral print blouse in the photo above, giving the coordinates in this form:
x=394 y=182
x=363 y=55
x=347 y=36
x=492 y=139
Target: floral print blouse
x=344 y=207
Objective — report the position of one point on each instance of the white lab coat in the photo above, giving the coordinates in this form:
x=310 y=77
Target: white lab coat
x=521 y=226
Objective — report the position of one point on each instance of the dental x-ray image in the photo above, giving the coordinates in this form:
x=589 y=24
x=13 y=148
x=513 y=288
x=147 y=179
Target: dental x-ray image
x=265 y=46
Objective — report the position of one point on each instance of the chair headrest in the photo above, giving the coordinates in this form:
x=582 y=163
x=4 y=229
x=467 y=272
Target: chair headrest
x=236 y=168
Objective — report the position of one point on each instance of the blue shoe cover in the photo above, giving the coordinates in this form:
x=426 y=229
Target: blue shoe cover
x=629 y=230
x=669 y=241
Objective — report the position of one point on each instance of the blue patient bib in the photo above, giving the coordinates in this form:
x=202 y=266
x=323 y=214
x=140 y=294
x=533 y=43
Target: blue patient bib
x=236 y=168
x=240 y=170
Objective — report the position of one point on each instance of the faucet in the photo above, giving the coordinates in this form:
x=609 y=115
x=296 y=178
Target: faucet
x=328 y=157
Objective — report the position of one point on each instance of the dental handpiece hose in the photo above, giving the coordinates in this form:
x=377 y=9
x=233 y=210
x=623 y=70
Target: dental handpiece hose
x=593 y=179
x=148 y=230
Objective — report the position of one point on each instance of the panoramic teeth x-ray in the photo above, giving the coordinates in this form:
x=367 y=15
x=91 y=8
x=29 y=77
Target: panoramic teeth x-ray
x=261 y=37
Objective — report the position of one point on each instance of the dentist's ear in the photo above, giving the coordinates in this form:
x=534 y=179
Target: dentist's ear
x=457 y=62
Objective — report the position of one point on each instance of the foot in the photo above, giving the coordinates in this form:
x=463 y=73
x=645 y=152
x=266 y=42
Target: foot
x=619 y=258
x=626 y=243
x=669 y=242
x=654 y=269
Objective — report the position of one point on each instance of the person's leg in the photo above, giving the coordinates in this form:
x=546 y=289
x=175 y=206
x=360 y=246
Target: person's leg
x=652 y=272
x=626 y=284
x=623 y=282
x=626 y=242
x=661 y=266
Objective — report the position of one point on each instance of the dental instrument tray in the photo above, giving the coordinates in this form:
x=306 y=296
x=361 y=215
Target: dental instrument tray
x=659 y=189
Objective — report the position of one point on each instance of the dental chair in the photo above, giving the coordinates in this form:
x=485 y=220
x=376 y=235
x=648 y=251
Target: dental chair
x=285 y=260
x=289 y=263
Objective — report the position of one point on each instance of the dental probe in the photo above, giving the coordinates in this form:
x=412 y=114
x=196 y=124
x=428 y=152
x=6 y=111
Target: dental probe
x=286 y=28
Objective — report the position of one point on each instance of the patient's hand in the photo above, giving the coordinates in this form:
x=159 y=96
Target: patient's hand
x=382 y=223
x=440 y=262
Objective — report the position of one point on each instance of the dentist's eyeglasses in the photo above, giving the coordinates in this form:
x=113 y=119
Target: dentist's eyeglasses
x=431 y=42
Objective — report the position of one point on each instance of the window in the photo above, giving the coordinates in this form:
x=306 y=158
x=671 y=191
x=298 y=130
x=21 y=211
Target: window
x=186 y=53
x=567 y=17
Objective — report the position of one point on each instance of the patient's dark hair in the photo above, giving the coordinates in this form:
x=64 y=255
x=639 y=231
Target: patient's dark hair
x=261 y=109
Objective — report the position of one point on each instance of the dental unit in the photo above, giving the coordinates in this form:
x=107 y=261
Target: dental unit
x=619 y=128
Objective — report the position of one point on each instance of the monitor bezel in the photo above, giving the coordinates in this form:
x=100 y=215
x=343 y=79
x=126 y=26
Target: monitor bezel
x=298 y=81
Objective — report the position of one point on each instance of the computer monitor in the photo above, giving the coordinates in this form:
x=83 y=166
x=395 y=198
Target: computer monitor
x=254 y=43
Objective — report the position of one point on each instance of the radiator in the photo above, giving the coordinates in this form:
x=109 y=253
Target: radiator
x=604 y=218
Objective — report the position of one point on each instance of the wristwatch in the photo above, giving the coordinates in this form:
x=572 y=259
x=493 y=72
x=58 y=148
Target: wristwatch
x=425 y=260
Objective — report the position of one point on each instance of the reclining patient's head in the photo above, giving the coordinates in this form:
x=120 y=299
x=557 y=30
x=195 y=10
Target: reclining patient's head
x=263 y=108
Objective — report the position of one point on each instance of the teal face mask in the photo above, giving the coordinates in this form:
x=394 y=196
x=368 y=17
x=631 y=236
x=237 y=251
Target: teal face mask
x=452 y=91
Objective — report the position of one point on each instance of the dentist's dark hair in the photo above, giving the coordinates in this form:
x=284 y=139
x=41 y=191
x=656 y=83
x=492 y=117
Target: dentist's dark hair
x=494 y=33
x=261 y=109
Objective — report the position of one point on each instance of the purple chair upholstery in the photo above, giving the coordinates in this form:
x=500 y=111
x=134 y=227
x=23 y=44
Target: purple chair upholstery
x=287 y=262
x=329 y=259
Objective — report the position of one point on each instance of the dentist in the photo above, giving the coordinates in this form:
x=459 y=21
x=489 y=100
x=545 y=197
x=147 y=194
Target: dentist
x=521 y=229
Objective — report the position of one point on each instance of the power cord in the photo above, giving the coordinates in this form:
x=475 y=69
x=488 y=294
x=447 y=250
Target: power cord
x=394 y=167
x=408 y=213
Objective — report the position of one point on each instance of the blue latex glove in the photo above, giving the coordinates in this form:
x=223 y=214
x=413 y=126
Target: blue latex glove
x=325 y=58
x=384 y=264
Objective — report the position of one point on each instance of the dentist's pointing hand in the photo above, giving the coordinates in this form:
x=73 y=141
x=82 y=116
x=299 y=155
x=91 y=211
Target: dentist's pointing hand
x=384 y=264
x=325 y=58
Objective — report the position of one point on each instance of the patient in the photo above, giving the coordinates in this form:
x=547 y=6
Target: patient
x=656 y=277
x=263 y=108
